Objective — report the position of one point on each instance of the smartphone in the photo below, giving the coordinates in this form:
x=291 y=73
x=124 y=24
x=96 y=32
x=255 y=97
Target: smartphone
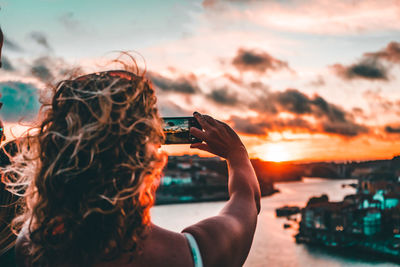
x=176 y=130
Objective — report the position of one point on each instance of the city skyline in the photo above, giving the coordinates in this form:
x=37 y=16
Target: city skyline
x=299 y=80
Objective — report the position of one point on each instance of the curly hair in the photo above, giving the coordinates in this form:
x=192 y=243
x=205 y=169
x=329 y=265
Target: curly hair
x=89 y=170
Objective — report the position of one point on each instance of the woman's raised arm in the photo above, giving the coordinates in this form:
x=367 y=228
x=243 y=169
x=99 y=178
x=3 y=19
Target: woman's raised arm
x=225 y=240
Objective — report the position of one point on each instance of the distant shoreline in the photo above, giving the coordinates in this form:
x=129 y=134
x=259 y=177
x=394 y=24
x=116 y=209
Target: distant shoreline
x=162 y=200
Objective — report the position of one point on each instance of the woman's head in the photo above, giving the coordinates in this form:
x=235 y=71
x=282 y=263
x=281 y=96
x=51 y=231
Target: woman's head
x=94 y=161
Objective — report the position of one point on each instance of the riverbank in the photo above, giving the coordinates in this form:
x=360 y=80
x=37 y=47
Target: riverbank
x=387 y=249
x=199 y=194
x=368 y=219
x=272 y=244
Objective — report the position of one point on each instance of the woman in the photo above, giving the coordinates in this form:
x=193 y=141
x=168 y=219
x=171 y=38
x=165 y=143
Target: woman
x=92 y=167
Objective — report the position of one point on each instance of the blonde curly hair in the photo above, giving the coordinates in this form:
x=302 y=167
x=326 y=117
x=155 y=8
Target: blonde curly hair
x=89 y=170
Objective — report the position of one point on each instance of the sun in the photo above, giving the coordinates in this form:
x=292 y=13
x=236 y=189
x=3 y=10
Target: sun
x=275 y=152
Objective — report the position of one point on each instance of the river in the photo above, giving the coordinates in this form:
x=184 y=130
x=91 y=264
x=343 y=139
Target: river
x=273 y=245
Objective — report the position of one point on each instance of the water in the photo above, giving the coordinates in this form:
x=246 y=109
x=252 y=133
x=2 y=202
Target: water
x=273 y=245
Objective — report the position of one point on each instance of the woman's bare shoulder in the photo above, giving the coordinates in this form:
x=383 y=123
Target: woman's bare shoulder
x=161 y=247
x=170 y=247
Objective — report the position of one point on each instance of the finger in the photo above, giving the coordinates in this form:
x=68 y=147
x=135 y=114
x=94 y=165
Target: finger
x=201 y=146
x=196 y=132
x=210 y=120
x=221 y=122
x=229 y=128
x=203 y=123
x=195 y=145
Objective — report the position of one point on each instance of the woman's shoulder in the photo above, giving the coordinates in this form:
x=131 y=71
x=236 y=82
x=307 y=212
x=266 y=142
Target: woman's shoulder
x=166 y=248
x=161 y=247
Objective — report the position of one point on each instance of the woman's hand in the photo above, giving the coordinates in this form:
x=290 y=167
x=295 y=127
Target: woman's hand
x=218 y=138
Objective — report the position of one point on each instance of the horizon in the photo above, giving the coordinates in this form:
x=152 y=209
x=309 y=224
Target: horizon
x=300 y=81
x=208 y=155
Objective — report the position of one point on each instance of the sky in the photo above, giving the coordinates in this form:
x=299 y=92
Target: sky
x=298 y=80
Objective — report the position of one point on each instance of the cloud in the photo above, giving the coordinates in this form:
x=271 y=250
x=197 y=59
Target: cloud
x=318 y=82
x=20 y=101
x=392 y=129
x=313 y=16
x=343 y=128
x=292 y=101
x=369 y=69
x=371 y=65
x=41 y=69
x=257 y=61
x=233 y=79
x=8 y=44
x=6 y=64
x=261 y=125
x=68 y=21
x=223 y=96
x=182 y=84
x=250 y=126
x=214 y=3
x=41 y=39
x=358 y=112
x=296 y=102
x=49 y=69
x=331 y=111
x=209 y=3
x=170 y=109
x=379 y=102
x=327 y=118
x=390 y=53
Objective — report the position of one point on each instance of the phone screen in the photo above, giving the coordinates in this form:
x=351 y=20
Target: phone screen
x=176 y=130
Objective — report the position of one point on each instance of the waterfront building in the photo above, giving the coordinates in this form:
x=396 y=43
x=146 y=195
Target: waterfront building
x=176 y=178
x=372 y=222
x=369 y=219
x=391 y=200
x=360 y=172
x=395 y=221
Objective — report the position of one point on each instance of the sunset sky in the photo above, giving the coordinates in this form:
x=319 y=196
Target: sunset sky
x=299 y=80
